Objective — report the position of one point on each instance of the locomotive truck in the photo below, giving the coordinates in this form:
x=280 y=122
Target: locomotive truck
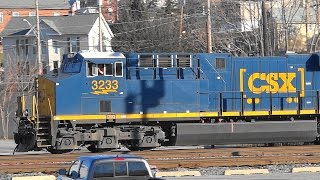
x=105 y=100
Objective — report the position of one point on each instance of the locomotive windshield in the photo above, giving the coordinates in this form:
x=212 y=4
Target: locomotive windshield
x=71 y=65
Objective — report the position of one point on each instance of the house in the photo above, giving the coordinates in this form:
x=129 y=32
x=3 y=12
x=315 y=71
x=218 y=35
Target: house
x=18 y=8
x=109 y=8
x=238 y=16
x=296 y=26
x=59 y=35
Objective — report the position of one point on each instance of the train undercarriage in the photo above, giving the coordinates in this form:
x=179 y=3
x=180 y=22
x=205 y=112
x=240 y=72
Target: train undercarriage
x=66 y=136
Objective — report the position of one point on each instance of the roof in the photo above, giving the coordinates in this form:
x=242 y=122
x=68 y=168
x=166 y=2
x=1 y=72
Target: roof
x=43 y=4
x=106 y=157
x=100 y=55
x=77 y=24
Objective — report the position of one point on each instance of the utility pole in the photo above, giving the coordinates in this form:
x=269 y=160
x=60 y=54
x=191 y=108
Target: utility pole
x=209 y=38
x=100 y=28
x=38 y=39
x=181 y=25
x=307 y=21
x=265 y=49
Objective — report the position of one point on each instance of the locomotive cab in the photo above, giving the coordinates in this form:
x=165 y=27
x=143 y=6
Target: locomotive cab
x=105 y=83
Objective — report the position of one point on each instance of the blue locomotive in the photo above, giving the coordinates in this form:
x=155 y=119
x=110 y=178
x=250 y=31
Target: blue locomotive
x=144 y=100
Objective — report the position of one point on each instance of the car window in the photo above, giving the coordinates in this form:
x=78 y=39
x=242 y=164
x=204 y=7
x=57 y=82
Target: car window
x=103 y=170
x=120 y=169
x=137 y=169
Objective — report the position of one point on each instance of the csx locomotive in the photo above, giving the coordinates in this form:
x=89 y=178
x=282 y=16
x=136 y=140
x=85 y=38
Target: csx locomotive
x=106 y=100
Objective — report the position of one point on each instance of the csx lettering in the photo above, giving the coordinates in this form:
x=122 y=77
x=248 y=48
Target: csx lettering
x=272 y=82
x=104 y=85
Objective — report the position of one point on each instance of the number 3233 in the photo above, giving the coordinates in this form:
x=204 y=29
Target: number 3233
x=104 y=84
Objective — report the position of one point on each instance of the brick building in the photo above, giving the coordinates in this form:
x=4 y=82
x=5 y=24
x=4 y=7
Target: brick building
x=109 y=8
x=15 y=8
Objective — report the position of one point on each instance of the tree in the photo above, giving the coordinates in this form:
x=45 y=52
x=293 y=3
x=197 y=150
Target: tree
x=17 y=81
x=152 y=4
x=237 y=27
x=137 y=10
x=170 y=7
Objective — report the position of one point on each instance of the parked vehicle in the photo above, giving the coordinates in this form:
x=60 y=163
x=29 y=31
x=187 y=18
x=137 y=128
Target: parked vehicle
x=108 y=167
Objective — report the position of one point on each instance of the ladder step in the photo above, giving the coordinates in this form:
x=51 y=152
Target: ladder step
x=42 y=140
x=43 y=145
x=42 y=134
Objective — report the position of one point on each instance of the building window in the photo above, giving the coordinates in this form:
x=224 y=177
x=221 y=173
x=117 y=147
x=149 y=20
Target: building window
x=55 y=47
x=88 y=3
x=34 y=47
x=22 y=46
x=1 y=17
x=73 y=44
x=44 y=49
x=110 y=10
x=27 y=46
x=15 y=14
x=32 y=13
x=18 y=47
x=55 y=66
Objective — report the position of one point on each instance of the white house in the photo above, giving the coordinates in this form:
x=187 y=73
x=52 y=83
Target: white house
x=59 y=35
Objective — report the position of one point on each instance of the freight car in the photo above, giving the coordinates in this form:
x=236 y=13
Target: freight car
x=141 y=101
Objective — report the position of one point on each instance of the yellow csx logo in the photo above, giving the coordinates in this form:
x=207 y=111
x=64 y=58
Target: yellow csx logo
x=272 y=82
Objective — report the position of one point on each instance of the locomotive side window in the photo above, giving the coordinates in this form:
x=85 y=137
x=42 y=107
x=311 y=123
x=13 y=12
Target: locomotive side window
x=91 y=69
x=220 y=63
x=119 y=69
x=100 y=69
x=108 y=69
x=184 y=61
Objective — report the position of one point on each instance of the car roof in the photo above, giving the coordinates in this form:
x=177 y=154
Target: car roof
x=108 y=157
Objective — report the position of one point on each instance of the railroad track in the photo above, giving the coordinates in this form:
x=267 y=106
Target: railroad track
x=192 y=158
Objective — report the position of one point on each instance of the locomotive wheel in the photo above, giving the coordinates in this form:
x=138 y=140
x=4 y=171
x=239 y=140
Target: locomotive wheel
x=317 y=141
x=55 y=151
x=94 y=149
